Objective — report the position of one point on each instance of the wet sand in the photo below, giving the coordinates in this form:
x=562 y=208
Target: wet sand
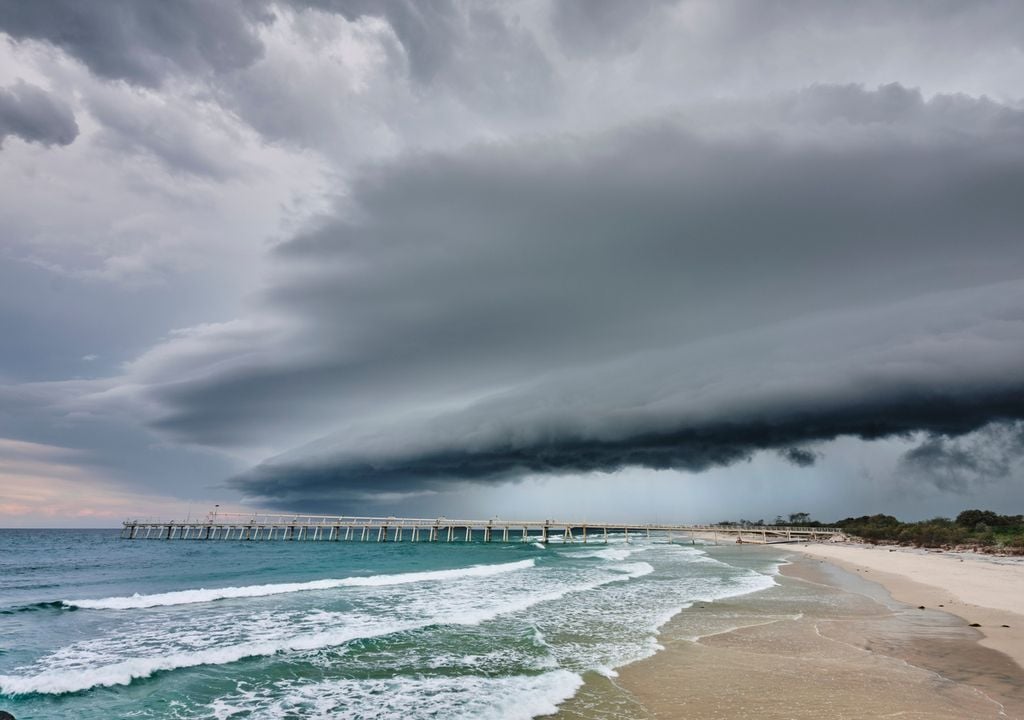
x=823 y=643
x=980 y=589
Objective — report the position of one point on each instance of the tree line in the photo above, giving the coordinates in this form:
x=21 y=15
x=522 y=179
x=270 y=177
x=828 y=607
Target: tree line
x=983 y=529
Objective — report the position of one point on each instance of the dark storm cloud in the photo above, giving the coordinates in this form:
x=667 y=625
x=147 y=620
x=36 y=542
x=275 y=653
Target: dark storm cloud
x=142 y=42
x=659 y=296
x=702 y=405
x=686 y=448
x=35 y=115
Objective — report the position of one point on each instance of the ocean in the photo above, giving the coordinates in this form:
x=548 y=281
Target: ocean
x=92 y=626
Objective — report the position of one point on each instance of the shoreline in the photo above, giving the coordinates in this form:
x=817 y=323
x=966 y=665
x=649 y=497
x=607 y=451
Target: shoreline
x=973 y=588
x=831 y=639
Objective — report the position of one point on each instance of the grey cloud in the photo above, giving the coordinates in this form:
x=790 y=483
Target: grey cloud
x=115 y=447
x=474 y=61
x=894 y=104
x=518 y=289
x=34 y=115
x=182 y=142
x=690 y=449
x=430 y=32
x=801 y=457
x=855 y=104
x=962 y=464
x=595 y=26
x=593 y=303
x=700 y=405
x=143 y=42
x=475 y=57
x=439 y=36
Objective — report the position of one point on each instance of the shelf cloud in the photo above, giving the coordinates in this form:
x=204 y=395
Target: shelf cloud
x=671 y=294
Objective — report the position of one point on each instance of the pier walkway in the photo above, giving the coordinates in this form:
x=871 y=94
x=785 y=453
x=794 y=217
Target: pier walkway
x=335 y=528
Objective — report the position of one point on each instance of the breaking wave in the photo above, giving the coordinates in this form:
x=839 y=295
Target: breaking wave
x=202 y=595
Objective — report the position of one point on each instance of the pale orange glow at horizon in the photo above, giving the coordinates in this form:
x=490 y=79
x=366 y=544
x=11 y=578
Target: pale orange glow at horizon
x=51 y=486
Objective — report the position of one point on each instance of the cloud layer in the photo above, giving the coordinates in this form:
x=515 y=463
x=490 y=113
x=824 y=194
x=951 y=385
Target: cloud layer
x=667 y=295
x=384 y=249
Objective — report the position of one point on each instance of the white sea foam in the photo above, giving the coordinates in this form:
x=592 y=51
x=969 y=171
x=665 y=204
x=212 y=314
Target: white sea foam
x=75 y=678
x=751 y=582
x=60 y=681
x=476 y=617
x=186 y=597
x=497 y=662
x=634 y=570
x=538 y=638
x=611 y=553
x=518 y=697
x=734 y=628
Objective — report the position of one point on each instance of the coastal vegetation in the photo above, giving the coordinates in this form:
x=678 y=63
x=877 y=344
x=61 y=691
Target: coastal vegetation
x=982 y=530
x=978 y=529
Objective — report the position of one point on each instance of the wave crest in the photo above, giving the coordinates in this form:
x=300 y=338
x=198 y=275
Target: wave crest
x=201 y=595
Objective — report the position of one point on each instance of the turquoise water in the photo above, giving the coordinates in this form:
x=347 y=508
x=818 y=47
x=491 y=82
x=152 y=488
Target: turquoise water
x=92 y=626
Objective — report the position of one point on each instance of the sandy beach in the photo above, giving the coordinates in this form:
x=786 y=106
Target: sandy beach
x=977 y=588
x=842 y=635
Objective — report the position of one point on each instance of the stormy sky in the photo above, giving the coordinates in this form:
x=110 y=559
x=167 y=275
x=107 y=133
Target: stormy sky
x=660 y=259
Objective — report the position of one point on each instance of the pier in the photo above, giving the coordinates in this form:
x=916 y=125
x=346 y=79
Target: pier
x=340 y=528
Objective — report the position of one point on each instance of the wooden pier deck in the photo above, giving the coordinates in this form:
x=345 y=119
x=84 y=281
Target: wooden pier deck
x=335 y=528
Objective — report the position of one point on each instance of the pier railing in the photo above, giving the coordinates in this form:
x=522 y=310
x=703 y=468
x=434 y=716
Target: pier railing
x=283 y=526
